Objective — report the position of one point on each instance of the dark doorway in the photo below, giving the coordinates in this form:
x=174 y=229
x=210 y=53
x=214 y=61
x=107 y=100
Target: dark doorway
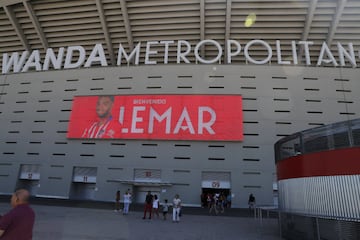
x=207 y=193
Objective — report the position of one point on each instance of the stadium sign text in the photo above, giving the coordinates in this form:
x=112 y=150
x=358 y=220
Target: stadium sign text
x=75 y=56
x=161 y=117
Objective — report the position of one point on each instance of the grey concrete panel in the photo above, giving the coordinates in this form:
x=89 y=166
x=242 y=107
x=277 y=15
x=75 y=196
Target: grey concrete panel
x=36 y=106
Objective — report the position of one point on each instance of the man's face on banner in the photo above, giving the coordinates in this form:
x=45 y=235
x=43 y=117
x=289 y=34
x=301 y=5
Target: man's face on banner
x=103 y=107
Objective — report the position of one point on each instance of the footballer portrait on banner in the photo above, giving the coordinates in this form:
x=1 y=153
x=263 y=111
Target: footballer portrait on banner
x=104 y=125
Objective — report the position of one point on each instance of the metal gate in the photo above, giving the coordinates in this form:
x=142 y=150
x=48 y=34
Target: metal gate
x=29 y=178
x=83 y=183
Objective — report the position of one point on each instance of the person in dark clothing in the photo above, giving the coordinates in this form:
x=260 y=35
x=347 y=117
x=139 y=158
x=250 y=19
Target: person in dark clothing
x=18 y=223
x=117 y=201
x=148 y=204
x=251 y=201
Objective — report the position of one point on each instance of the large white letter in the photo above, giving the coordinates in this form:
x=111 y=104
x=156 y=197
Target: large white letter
x=97 y=55
x=166 y=51
x=184 y=117
x=306 y=50
x=350 y=56
x=208 y=124
x=135 y=51
x=50 y=57
x=265 y=44
x=228 y=49
x=326 y=49
x=69 y=55
x=203 y=42
x=278 y=52
x=182 y=55
x=294 y=52
x=136 y=119
x=13 y=62
x=159 y=118
x=33 y=61
x=148 y=52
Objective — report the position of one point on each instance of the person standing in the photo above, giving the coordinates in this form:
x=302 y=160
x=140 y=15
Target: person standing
x=127 y=201
x=228 y=200
x=251 y=201
x=176 y=208
x=148 y=204
x=165 y=208
x=155 y=205
x=221 y=203
x=213 y=205
x=208 y=200
x=117 y=201
x=18 y=223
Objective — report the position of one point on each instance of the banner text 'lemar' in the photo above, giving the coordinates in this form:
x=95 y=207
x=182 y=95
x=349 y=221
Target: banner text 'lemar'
x=166 y=117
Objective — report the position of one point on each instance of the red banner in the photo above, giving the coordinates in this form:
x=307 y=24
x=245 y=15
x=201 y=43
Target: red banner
x=167 y=117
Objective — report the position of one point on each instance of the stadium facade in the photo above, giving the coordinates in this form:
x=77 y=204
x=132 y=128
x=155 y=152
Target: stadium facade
x=294 y=64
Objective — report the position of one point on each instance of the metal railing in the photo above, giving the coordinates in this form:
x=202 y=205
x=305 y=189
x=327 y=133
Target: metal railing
x=308 y=227
x=333 y=136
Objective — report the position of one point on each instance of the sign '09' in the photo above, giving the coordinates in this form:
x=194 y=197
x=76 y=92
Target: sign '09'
x=75 y=56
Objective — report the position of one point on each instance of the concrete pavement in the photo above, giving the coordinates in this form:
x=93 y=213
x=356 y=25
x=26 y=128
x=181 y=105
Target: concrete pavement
x=77 y=223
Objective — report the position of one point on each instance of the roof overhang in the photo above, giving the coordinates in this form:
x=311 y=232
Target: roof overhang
x=9 y=2
x=145 y=183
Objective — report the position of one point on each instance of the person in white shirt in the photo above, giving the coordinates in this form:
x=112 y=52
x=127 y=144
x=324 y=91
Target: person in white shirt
x=176 y=208
x=155 y=206
x=127 y=201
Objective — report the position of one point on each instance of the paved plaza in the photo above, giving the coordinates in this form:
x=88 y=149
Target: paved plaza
x=78 y=223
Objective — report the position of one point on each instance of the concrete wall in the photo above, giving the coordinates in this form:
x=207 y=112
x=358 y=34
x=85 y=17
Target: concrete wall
x=277 y=101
